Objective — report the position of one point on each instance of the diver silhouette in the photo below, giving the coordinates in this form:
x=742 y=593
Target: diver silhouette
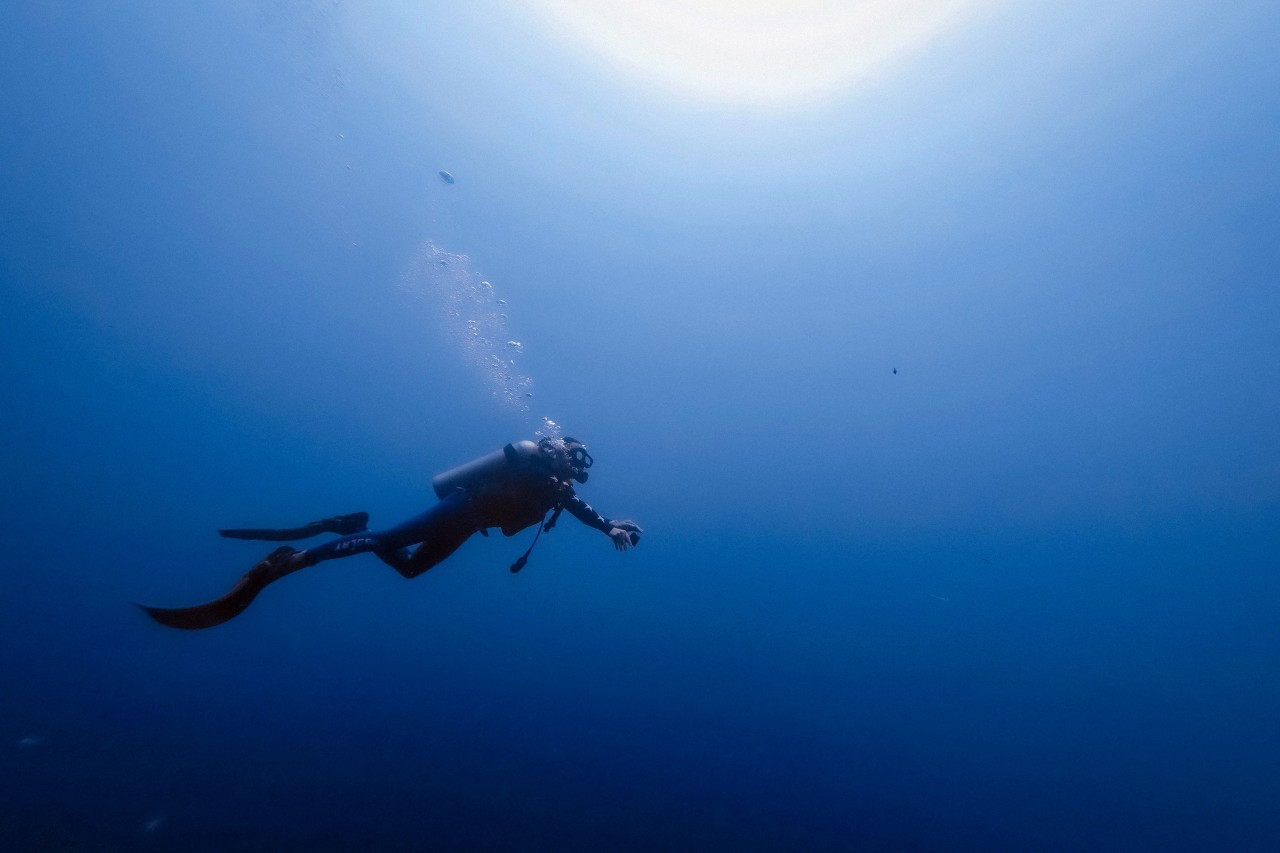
x=510 y=489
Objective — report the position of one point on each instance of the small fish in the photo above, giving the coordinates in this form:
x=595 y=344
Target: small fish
x=30 y=742
x=939 y=597
x=446 y=177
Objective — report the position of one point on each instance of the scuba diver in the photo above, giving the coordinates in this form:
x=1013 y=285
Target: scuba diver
x=510 y=489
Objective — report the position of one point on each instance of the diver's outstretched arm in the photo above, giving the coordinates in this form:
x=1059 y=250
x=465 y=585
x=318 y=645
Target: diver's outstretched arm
x=625 y=534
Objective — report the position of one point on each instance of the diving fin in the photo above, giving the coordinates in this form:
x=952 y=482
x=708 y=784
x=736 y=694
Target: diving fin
x=230 y=605
x=339 y=524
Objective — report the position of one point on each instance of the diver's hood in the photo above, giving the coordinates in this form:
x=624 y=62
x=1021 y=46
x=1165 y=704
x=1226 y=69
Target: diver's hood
x=567 y=456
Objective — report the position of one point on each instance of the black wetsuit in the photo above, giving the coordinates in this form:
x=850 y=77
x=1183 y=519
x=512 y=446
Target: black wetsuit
x=513 y=503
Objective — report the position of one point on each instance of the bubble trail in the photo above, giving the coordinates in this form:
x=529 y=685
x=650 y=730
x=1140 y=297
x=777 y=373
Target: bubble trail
x=474 y=319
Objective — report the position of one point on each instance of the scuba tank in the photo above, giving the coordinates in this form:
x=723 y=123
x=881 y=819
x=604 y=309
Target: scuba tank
x=486 y=468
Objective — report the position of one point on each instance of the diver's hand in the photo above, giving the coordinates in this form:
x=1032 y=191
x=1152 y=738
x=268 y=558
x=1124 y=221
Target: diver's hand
x=621 y=538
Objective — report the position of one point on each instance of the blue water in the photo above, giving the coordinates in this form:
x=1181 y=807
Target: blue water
x=949 y=406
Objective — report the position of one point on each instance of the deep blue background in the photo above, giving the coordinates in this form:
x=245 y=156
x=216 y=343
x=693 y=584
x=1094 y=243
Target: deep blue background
x=1021 y=594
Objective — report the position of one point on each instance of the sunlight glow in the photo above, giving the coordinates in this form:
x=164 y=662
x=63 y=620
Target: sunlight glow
x=755 y=53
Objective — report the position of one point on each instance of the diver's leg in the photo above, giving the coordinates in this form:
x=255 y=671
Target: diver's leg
x=400 y=559
x=441 y=530
x=439 y=545
x=442 y=543
x=445 y=527
x=448 y=524
x=341 y=524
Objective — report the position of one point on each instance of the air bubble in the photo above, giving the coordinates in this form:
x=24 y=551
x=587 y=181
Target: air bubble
x=473 y=318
